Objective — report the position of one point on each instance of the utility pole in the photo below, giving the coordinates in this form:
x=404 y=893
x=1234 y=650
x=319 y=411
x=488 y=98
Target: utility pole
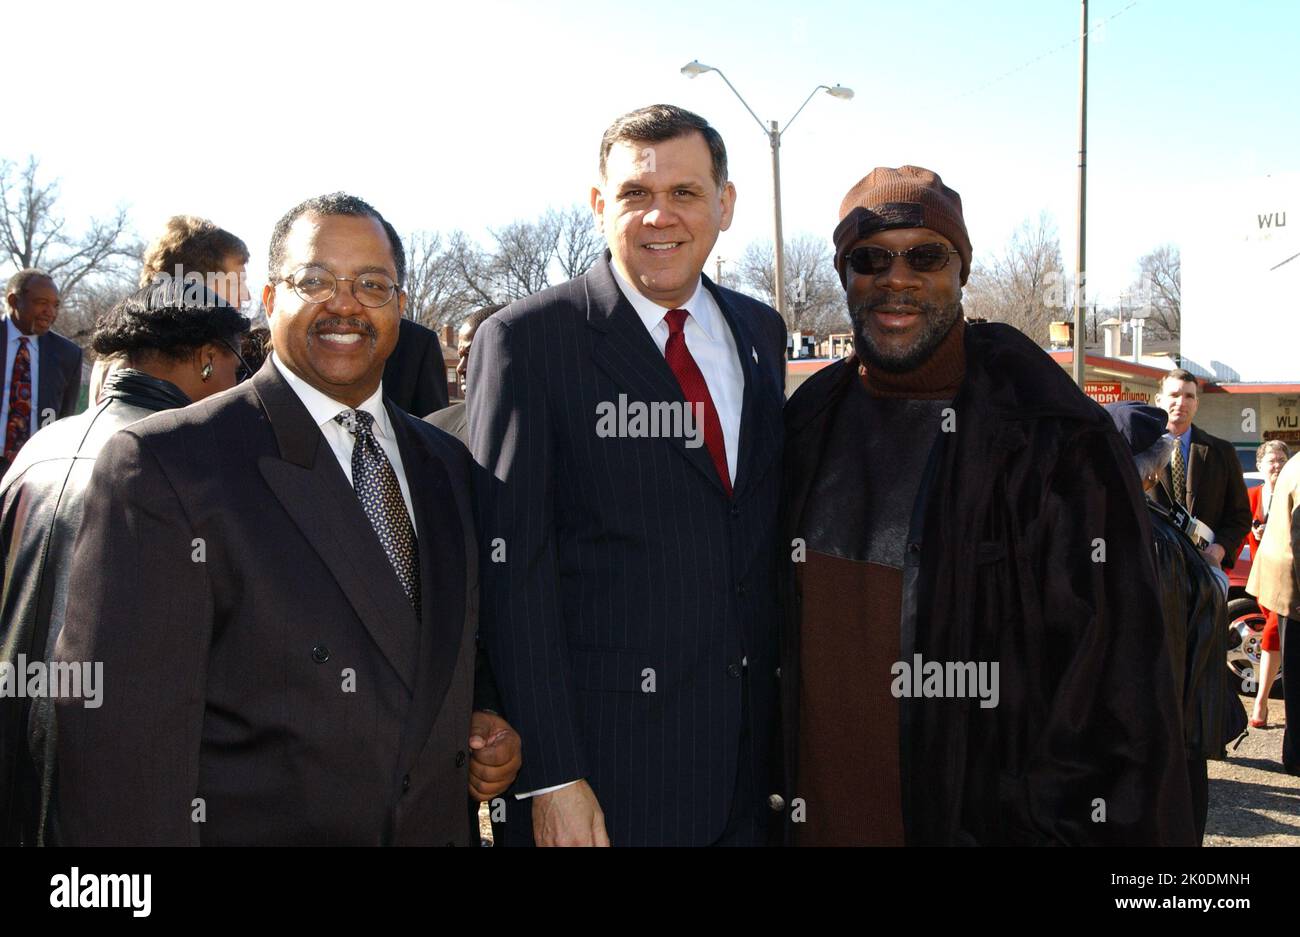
x=775 y=136
x=1080 y=257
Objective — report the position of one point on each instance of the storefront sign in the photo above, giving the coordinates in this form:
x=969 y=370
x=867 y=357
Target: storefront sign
x=1113 y=391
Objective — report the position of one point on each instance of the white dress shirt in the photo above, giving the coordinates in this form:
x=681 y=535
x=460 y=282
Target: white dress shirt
x=711 y=344
x=11 y=352
x=324 y=408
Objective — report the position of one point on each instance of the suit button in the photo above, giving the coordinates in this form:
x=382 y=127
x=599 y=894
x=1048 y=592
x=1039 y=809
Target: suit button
x=735 y=511
x=320 y=653
x=451 y=844
x=740 y=589
x=913 y=548
x=406 y=783
x=460 y=759
x=733 y=670
x=778 y=673
x=776 y=802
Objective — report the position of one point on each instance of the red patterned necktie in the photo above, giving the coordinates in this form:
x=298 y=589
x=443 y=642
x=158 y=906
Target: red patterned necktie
x=696 y=391
x=19 y=425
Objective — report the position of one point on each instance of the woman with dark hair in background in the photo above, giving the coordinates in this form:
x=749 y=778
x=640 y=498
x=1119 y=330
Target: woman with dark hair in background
x=1269 y=459
x=174 y=346
x=256 y=347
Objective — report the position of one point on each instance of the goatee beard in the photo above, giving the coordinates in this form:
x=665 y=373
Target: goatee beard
x=936 y=321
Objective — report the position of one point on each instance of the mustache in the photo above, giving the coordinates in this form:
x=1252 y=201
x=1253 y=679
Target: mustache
x=336 y=325
x=897 y=302
x=870 y=305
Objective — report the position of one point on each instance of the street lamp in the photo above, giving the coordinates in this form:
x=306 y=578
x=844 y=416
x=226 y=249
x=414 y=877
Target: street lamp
x=773 y=133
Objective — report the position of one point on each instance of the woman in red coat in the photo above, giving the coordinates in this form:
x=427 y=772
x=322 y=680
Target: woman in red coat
x=1269 y=459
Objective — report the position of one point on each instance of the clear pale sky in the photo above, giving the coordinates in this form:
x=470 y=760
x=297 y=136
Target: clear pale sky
x=472 y=116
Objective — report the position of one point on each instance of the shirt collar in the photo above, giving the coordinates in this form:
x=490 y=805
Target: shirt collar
x=323 y=408
x=16 y=333
x=701 y=306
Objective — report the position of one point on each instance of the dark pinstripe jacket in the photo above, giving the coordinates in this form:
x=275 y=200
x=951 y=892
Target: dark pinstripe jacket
x=621 y=587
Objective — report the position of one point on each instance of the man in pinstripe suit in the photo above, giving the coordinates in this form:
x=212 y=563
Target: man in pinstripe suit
x=628 y=589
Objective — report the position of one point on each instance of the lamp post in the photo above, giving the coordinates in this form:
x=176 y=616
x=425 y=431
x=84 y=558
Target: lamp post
x=773 y=133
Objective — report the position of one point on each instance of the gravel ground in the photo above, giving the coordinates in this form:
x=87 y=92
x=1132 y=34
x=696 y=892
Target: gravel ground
x=1253 y=802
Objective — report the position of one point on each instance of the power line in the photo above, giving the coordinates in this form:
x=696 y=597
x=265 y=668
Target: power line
x=1038 y=58
x=1287 y=261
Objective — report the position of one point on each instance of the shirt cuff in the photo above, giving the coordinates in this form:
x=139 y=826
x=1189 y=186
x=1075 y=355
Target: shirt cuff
x=547 y=790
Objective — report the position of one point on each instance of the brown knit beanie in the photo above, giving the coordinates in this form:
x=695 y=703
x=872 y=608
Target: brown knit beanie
x=906 y=197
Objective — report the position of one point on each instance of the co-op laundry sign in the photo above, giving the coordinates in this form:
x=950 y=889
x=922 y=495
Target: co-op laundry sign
x=1113 y=392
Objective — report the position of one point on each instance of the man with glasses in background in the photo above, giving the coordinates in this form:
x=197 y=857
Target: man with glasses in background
x=973 y=651
x=280 y=584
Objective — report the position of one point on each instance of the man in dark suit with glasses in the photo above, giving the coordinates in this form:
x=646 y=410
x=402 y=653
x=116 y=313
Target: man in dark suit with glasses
x=280 y=583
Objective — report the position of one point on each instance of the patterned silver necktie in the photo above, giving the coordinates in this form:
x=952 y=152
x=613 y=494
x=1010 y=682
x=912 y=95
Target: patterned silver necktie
x=380 y=495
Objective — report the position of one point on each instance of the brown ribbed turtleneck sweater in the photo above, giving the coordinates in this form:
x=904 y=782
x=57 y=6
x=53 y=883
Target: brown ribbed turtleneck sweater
x=855 y=525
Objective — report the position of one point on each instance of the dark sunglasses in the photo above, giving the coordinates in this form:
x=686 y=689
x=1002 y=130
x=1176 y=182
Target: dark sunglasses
x=923 y=258
x=243 y=372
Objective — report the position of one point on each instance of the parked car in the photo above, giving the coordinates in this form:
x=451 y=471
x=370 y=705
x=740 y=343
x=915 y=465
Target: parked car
x=1245 y=620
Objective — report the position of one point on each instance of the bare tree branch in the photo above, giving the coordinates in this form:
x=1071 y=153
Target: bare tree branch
x=523 y=255
x=436 y=293
x=86 y=268
x=450 y=275
x=814 y=300
x=474 y=267
x=1023 y=285
x=1159 y=290
x=580 y=244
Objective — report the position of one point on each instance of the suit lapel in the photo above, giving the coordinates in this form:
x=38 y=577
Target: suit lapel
x=1166 y=487
x=760 y=416
x=1197 y=454
x=307 y=480
x=626 y=352
x=47 y=394
x=442 y=525
x=4 y=363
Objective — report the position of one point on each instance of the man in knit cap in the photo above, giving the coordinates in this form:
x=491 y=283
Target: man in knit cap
x=974 y=651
